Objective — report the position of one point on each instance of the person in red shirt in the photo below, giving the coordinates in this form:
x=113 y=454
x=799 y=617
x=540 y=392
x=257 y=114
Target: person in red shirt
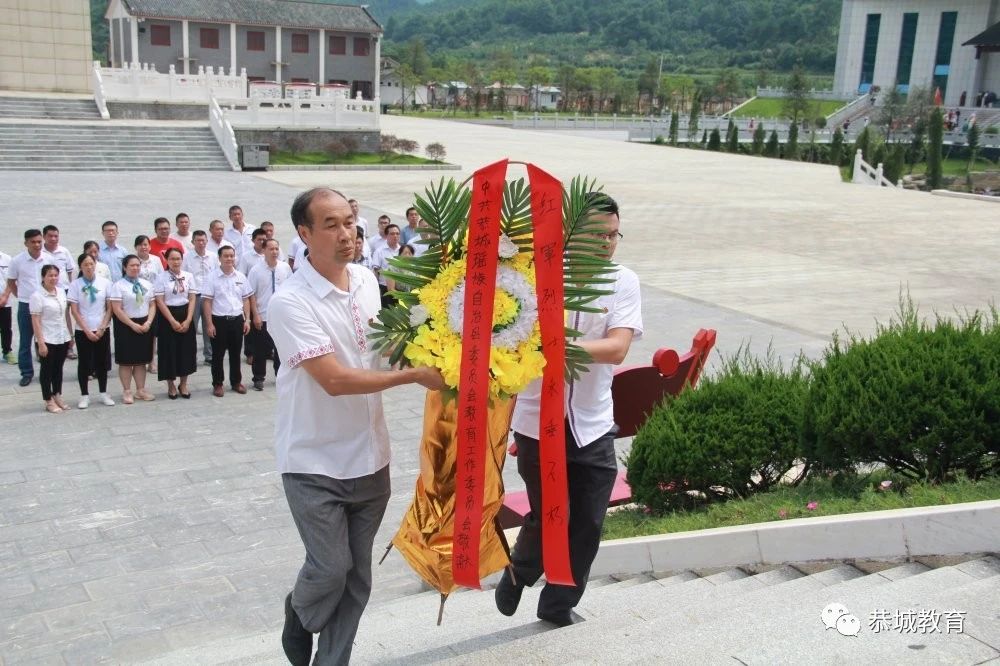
x=159 y=243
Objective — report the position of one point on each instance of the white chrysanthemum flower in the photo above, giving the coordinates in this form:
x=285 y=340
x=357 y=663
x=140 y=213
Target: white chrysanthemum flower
x=418 y=314
x=519 y=330
x=507 y=247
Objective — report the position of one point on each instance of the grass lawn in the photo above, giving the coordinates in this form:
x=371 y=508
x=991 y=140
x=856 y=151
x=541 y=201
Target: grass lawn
x=283 y=157
x=857 y=495
x=774 y=108
x=956 y=167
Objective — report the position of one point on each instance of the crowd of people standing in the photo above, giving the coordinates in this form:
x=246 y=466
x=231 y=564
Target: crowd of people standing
x=143 y=307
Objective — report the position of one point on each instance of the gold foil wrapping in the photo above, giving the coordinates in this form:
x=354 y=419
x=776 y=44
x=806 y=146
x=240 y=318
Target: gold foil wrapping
x=425 y=536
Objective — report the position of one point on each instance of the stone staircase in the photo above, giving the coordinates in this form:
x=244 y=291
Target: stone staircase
x=48 y=108
x=765 y=616
x=108 y=147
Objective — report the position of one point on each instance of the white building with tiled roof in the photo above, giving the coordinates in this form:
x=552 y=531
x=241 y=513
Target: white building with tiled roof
x=285 y=41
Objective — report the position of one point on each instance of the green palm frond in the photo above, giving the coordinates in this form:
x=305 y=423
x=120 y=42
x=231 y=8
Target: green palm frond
x=392 y=331
x=445 y=210
x=585 y=270
x=515 y=210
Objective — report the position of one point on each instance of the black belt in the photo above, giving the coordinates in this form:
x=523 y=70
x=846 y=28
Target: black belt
x=228 y=317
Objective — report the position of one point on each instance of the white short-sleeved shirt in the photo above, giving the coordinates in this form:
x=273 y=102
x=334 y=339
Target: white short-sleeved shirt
x=91 y=311
x=4 y=267
x=241 y=240
x=136 y=306
x=374 y=243
x=380 y=260
x=52 y=308
x=101 y=269
x=186 y=241
x=27 y=273
x=227 y=293
x=150 y=268
x=249 y=260
x=296 y=248
x=64 y=260
x=213 y=248
x=342 y=437
x=260 y=278
x=175 y=289
x=589 y=408
x=200 y=267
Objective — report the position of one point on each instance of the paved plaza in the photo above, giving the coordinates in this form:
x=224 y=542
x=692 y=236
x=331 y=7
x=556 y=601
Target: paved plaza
x=129 y=532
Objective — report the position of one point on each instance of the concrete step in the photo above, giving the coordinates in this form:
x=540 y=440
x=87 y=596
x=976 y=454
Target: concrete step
x=59 y=109
x=108 y=148
x=783 y=633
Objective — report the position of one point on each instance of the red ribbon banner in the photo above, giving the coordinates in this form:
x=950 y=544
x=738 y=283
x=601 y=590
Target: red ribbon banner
x=473 y=395
x=546 y=215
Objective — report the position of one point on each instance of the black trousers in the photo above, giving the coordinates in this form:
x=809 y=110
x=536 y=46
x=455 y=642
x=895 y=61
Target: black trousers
x=92 y=359
x=262 y=346
x=6 y=330
x=591 y=473
x=228 y=339
x=50 y=373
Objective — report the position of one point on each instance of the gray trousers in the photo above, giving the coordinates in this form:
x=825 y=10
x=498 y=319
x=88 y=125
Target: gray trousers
x=337 y=520
x=206 y=342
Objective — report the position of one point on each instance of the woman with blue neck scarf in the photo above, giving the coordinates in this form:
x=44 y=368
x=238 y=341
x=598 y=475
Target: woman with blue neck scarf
x=91 y=311
x=131 y=302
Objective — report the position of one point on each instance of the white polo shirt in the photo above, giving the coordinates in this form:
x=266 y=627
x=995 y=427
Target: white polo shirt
x=589 y=408
x=380 y=259
x=64 y=260
x=227 y=293
x=92 y=312
x=213 y=248
x=261 y=279
x=249 y=260
x=200 y=267
x=342 y=437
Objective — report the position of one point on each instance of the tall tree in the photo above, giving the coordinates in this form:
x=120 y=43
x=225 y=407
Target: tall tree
x=732 y=138
x=891 y=111
x=695 y=113
x=648 y=81
x=837 y=147
x=757 y=147
x=675 y=121
x=772 y=149
x=797 y=95
x=792 y=146
x=935 y=141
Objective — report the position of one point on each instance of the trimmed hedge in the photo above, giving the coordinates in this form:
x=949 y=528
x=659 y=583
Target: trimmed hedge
x=924 y=400
x=738 y=433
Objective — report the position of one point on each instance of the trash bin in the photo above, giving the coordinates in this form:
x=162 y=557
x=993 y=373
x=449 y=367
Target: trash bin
x=255 y=156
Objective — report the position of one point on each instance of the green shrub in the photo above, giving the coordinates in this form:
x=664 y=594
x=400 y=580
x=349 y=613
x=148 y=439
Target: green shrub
x=736 y=434
x=923 y=400
x=714 y=140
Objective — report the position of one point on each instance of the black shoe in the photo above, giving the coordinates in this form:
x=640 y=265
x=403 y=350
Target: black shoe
x=558 y=618
x=508 y=594
x=25 y=381
x=258 y=386
x=295 y=640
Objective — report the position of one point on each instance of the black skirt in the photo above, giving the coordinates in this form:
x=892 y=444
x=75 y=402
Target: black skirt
x=176 y=353
x=132 y=348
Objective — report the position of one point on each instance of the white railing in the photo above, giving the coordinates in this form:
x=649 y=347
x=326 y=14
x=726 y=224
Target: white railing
x=865 y=174
x=143 y=83
x=223 y=132
x=838 y=117
x=99 y=95
x=316 y=112
x=781 y=93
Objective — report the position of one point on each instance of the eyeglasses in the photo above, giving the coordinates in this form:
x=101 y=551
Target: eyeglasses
x=608 y=237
